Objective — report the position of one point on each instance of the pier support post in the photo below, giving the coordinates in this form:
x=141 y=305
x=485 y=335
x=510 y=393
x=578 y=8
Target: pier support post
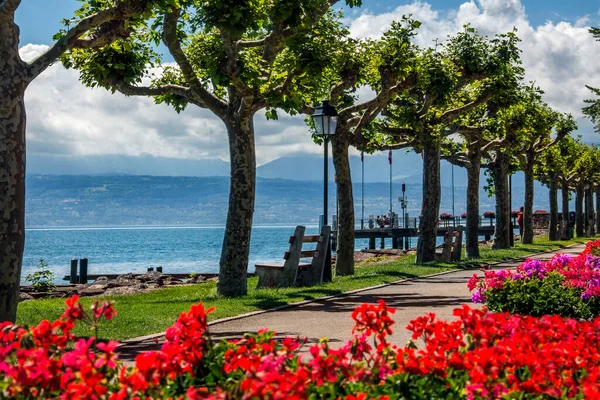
x=83 y=270
x=395 y=243
x=372 y=244
x=382 y=243
x=73 y=276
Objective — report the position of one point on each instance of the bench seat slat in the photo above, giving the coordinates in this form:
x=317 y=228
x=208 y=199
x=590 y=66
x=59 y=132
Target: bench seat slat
x=269 y=266
x=304 y=266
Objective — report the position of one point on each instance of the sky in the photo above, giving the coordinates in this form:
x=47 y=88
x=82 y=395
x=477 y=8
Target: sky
x=67 y=121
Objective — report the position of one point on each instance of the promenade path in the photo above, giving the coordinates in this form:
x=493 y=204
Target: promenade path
x=439 y=294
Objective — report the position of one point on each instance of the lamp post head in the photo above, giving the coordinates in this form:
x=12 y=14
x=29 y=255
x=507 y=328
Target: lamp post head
x=325 y=119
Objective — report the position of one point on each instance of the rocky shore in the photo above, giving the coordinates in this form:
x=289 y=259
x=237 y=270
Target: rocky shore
x=122 y=285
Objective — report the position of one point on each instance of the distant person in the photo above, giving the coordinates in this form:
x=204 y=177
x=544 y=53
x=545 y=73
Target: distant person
x=520 y=217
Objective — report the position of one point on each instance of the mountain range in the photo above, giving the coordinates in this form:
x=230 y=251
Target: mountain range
x=109 y=200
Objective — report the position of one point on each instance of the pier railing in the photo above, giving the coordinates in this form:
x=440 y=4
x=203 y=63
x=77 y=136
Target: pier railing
x=413 y=222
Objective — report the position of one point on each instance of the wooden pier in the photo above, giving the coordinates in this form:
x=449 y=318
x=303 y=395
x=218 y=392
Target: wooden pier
x=400 y=236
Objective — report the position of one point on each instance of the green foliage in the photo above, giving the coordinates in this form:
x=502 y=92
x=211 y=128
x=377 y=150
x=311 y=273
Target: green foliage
x=592 y=111
x=42 y=280
x=457 y=76
x=122 y=61
x=293 y=45
x=538 y=297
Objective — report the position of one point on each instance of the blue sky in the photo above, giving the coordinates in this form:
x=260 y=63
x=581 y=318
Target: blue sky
x=40 y=19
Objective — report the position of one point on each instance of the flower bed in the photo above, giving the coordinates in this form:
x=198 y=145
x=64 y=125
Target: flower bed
x=478 y=355
x=446 y=216
x=565 y=285
x=489 y=214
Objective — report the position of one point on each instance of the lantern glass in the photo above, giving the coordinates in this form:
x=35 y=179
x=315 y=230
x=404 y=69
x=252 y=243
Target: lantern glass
x=325 y=119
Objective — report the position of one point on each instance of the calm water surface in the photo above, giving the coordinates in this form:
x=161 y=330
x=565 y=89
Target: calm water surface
x=134 y=249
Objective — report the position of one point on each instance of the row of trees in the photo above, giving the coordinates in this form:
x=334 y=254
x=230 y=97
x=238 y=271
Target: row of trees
x=464 y=100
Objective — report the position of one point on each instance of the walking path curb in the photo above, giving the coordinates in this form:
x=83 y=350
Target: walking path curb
x=140 y=339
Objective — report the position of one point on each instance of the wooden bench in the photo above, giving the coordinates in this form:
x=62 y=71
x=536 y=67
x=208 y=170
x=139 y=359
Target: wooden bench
x=294 y=273
x=452 y=247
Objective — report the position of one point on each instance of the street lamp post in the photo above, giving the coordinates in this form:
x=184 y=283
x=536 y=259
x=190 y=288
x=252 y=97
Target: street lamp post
x=325 y=121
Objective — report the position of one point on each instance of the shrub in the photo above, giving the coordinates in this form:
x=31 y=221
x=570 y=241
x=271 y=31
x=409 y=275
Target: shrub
x=565 y=285
x=42 y=280
x=489 y=214
x=478 y=355
x=446 y=216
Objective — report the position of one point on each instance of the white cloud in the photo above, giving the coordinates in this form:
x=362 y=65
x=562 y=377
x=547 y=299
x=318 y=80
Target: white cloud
x=67 y=118
x=559 y=57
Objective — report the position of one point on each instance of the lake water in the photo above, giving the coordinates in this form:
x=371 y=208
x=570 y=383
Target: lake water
x=134 y=249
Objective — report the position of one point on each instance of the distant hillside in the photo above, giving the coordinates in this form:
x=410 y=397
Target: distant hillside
x=84 y=200
x=305 y=167
x=119 y=164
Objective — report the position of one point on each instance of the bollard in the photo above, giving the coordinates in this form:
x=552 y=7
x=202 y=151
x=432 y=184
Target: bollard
x=83 y=270
x=150 y=269
x=74 y=265
x=159 y=269
x=372 y=244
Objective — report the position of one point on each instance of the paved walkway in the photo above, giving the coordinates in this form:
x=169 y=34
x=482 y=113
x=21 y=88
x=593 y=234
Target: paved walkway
x=330 y=318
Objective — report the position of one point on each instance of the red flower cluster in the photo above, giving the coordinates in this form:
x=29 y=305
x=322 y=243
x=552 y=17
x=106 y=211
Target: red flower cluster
x=504 y=353
x=480 y=354
x=37 y=362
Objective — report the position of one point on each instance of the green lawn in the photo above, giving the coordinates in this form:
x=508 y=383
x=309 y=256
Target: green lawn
x=152 y=312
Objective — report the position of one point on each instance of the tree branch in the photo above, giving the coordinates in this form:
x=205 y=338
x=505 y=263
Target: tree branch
x=346 y=83
x=427 y=103
x=464 y=80
x=105 y=34
x=177 y=90
x=469 y=131
x=492 y=145
x=452 y=114
x=281 y=89
x=8 y=8
x=121 y=11
x=399 y=131
x=460 y=159
x=396 y=146
x=246 y=44
x=171 y=40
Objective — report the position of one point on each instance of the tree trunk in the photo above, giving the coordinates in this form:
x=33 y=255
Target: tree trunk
x=12 y=169
x=344 y=262
x=565 y=210
x=579 y=217
x=502 y=232
x=528 y=206
x=242 y=189
x=553 y=234
x=472 y=229
x=590 y=229
x=430 y=208
x=598 y=210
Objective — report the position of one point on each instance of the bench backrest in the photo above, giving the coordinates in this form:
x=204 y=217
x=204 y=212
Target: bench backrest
x=320 y=256
x=293 y=256
x=452 y=249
